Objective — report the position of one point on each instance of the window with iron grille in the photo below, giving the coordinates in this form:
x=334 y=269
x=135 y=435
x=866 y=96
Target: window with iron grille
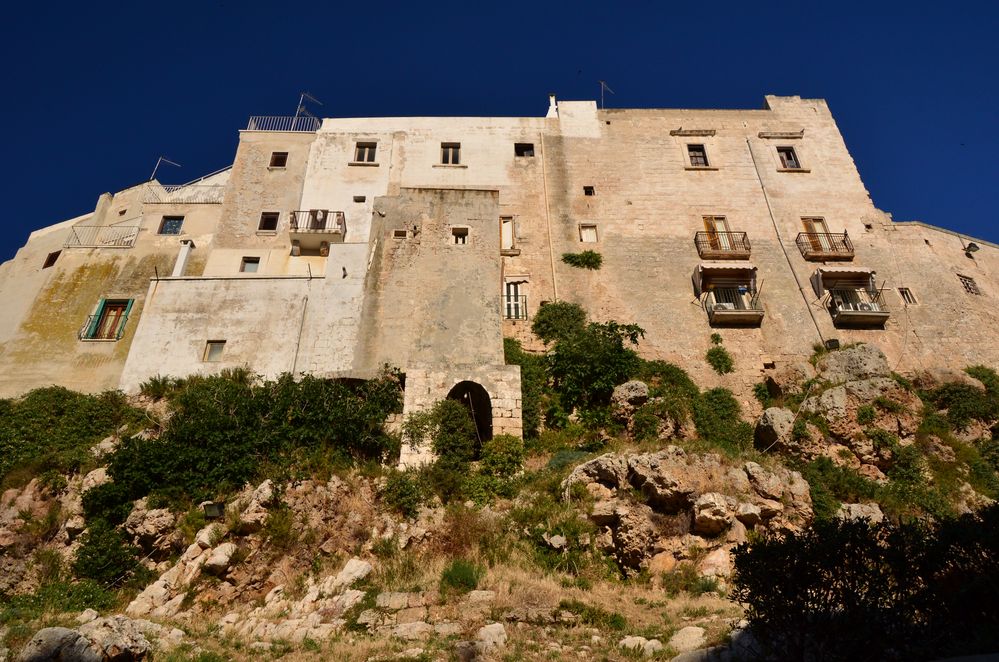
x=969 y=284
x=788 y=158
x=698 y=156
x=450 y=153
x=906 y=295
x=171 y=224
x=365 y=152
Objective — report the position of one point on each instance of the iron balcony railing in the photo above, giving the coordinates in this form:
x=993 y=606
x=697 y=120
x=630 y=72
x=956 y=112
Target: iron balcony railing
x=734 y=306
x=825 y=246
x=192 y=194
x=318 y=220
x=302 y=123
x=514 y=306
x=102 y=236
x=851 y=302
x=103 y=327
x=721 y=245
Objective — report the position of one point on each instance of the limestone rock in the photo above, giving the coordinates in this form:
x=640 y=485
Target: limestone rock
x=629 y=396
x=209 y=535
x=774 y=429
x=749 y=514
x=118 y=637
x=860 y=362
x=648 y=647
x=415 y=631
x=58 y=644
x=95 y=478
x=608 y=470
x=663 y=477
x=150 y=529
x=86 y=616
x=220 y=559
x=634 y=535
x=789 y=379
x=767 y=484
x=854 y=511
x=717 y=563
x=688 y=639
x=711 y=514
x=491 y=636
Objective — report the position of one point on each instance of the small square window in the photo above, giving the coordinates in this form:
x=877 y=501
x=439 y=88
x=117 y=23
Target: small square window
x=698 y=156
x=788 y=158
x=589 y=190
x=213 y=351
x=171 y=224
x=279 y=159
x=906 y=294
x=969 y=284
x=50 y=259
x=459 y=236
x=360 y=198
x=365 y=152
x=268 y=221
x=588 y=233
x=450 y=153
x=523 y=149
x=249 y=265
x=399 y=234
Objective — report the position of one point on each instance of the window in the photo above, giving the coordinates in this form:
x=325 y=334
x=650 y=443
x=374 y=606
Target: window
x=698 y=156
x=506 y=233
x=399 y=234
x=523 y=149
x=906 y=294
x=788 y=159
x=268 y=221
x=360 y=198
x=50 y=259
x=969 y=284
x=249 y=265
x=450 y=153
x=515 y=300
x=719 y=237
x=459 y=236
x=589 y=191
x=588 y=233
x=108 y=321
x=171 y=224
x=279 y=159
x=365 y=152
x=213 y=351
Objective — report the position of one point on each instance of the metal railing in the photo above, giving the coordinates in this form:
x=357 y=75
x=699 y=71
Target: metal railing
x=825 y=245
x=722 y=244
x=191 y=194
x=103 y=327
x=514 y=306
x=318 y=220
x=102 y=236
x=852 y=301
x=738 y=301
x=302 y=123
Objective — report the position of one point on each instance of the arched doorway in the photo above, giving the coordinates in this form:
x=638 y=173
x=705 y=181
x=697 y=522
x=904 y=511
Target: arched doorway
x=476 y=400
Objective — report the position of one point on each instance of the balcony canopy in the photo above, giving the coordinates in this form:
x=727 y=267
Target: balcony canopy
x=708 y=274
x=827 y=278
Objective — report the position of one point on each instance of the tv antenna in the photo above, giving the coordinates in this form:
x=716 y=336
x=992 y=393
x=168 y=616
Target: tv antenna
x=604 y=86
x=302 y=110
x=160 y=160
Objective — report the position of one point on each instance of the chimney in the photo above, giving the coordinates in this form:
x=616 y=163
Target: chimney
x=186 y=246
x=552 y=106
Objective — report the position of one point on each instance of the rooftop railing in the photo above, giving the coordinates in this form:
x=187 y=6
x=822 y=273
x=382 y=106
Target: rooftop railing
x=302 y=123
x=722 y=245
x=190 y=194
x=825 y=246
x=104 y=236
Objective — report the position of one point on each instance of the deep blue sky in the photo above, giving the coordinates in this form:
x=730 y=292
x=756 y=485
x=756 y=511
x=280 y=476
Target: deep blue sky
x=94 y=93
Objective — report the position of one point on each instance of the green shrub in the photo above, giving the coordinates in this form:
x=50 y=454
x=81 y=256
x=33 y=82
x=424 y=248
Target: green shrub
x=594 y=616
x=799 y=431
x=460 y=577
x=866 y=414
x=157 y=387
x=684 y=578
x=859 y=591
x=105 y=556
x=450 y=429
x=57 y=597
x=830 y=484
x=502 y=456
x=646 y=421
x=566 y=458
x=889 y=405
x=404 y=492
x=762 y=395
x=718 y=419
x=987 y=376
x=720 y=360
x=558 y=319
x=109 y=502
x=533 y=383
x=586 y=366
x=584 y=260
x=965 y=403
x=280 y=529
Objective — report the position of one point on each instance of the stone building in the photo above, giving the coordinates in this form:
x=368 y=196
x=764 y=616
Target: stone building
x=335 y=247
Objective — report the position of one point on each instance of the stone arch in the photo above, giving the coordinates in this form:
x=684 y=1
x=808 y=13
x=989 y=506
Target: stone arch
x=476 y=399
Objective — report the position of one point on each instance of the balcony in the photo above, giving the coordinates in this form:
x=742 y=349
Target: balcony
x=297 y=124
x=102 y=236
x=824 y=246
x=107 y=326
x=722 y=245
x=316 y=229
x=734 y=306
x=858 y=308
x=189 y=194
x=514 y=306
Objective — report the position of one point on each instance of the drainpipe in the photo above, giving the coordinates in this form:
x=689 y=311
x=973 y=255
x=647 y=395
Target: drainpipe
x=780 y=241
x=298 y=341
x=186 y=246
x=548 y=214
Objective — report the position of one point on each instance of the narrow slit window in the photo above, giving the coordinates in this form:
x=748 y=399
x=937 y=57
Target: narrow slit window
x=788 y=158
x=507 y=236
x=698 y=156
x=268 y=221
x=365 y=152
x=50 y=259
x=279 y=159
x=906 y=295
x=213 y=351
x=523 y=149
x=459 y=236
x=450 y=153
x=249 y=265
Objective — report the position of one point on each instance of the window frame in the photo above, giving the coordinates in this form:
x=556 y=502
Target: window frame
x=208 y=356
x=167 y=219
x=278 y=160
x=691 y=148
x=589 y=191
x=460 y=232
x=520 y=150
x=969 y=284
x=96 y=329
x=588 y=226
x=781 y=149
x=365 y=151
x=51 y=259
x=512 y=234
x=247 y=260
x=907 y=297
x=450 y=154
x=269 y=215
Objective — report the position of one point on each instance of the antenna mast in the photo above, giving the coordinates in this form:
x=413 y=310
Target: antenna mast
x=160 y=160
x=604 y=86
x=302 y=110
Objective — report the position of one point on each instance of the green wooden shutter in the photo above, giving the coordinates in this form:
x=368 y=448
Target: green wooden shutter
x=94 y=321
x=124 y=319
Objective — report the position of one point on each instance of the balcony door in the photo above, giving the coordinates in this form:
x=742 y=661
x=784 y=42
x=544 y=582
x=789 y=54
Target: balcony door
x=514 y=301
x=818 y=234
x=718 y=234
